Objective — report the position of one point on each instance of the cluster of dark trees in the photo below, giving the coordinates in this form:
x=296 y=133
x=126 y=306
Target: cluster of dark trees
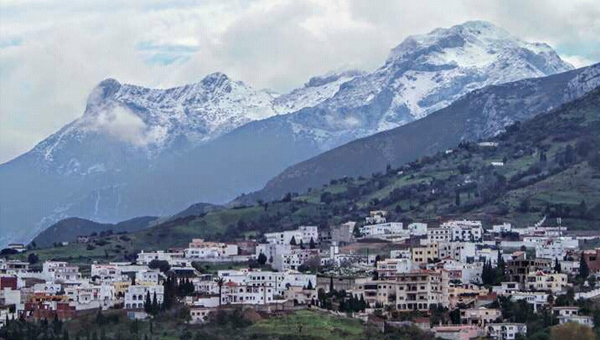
x=493 y=275
x=43 y=329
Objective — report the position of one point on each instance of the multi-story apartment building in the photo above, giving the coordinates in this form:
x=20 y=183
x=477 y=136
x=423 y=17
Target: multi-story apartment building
x=383 y=229
x=592 y=259
x=421 y=290
x=284 y=237
x=200 y=249
x=465 y=230
x=376 y=293
x=480 y=316
x=136 y=295
x=439 y=235
x=541 y=281
x=309 y=233
x=519 y=268
x=144 y=258
x=425 y=254
x=389 y=268
x=86 y=296
x=459 y=251
x=295 y=259
x=107 y=272
x=239 y=293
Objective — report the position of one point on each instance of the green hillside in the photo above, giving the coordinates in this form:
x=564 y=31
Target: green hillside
x=551 y=168
x=68 y=229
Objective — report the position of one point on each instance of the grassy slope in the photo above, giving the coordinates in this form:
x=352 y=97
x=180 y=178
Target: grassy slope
x=303 y=324
x=424 y=190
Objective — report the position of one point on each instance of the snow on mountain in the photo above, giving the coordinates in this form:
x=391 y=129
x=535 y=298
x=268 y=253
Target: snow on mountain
x=316 y=90
x=139 y=151
x=150 y=121
x=423 y=74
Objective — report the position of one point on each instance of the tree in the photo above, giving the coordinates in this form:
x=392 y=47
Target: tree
x=557 y=267
x=301 y=244
x=293 y=241
x=310 y=285
x=148 y=303
x=312 y=244
x=32 y=258
x=262 y=259
x=162 y=265
x=220 y=282
x=584 y=270
x=582 y=209
x=155 y=308
x=287 y=197
x=457 y=199
x=572 y=331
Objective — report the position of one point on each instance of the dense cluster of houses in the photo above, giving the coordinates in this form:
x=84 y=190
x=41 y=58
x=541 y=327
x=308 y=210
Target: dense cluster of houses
x=415 y=267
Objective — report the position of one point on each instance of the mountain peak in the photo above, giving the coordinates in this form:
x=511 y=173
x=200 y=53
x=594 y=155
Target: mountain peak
x=104 y=90
x=476 y=44
x=331 y=77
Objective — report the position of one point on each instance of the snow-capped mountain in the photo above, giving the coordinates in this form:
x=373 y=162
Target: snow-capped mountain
x=138 y=151
x=423 y=74
x=97 y=166
x=150 y=121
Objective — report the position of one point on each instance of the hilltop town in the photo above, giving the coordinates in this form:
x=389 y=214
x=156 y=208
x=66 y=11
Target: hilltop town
x=458 y=279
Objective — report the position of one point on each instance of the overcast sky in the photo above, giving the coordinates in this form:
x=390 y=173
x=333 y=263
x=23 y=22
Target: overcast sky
x=53 y=52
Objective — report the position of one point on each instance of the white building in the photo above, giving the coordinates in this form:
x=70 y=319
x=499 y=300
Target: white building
x=465 y=272
x=580 y=319
x=136 y=295
x=389 y=268
x=284 y=237
x=459 y=251
x=273 y=250
x=465 y=230
x=87 y=296
x=376 y=217
x=417 y=229
x=147 y=277
x=48 y=287
x=200 y=249
x=107 y=272
x=502 y=228
x=505 y=331
x=309 y=233
x=294 y=259
x=235 y=293
x=146 y=257
x=439 y=235
x=555 y=248
x=383 y=229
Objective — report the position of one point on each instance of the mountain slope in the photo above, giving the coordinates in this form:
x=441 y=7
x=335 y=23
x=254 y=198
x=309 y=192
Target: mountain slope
x=138 y=151
x=551 y=168
x=422 y=74
x=480 y=114
x=104 y=165
x=68 y=229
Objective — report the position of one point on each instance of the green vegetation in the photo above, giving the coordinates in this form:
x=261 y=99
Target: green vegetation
x=551 y=167
x=231 y=325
